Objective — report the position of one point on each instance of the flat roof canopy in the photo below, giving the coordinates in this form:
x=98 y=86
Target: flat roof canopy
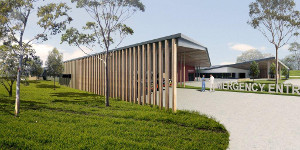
x=194 y=57
x=195 y=53
x=263 y=64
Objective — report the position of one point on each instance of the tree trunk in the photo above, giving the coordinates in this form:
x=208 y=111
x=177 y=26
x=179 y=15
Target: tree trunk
x=17 y=104
x=276 y=72
x=107 y=80
x=54 y=82
x=11 y=88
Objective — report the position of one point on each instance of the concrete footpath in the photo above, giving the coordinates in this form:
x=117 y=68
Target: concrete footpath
x=255 y=121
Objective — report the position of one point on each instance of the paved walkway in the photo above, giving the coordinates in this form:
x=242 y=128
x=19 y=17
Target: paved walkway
x=255 y=121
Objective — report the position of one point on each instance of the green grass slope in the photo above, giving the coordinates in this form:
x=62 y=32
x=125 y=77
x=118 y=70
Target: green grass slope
x=294 y=72
x=71 y=119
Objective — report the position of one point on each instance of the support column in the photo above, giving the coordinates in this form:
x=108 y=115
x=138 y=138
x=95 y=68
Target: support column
x=154 y=74
x=110 y=75
x=83 y=74
x=92 y=74
x=98 y=75
x=184 y=69
x=119 y=74
x=116 y=74
x=123 y=75
x=134 y=76
x=95 y=75
x=268 y=69
x=89 y=74
x=126 y=75
x=160 y=73
x=139 y=76
x=101 y=75
x=174 y=75
x=180 y=74
x=105 y=65
x=144 y=74
x=113 y=75
x=149 y=73
x=195 y=73
x=167 y=73
x=130 y=74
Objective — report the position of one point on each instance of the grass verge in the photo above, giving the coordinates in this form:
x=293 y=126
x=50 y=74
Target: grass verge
x=294 y=72
x=71 y=119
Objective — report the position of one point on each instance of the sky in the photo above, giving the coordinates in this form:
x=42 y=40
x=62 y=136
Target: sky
x=221 y=26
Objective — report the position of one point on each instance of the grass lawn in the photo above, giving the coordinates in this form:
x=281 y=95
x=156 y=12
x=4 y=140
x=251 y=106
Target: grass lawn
x=71 y=119
x=294 y=72
x=294 y=77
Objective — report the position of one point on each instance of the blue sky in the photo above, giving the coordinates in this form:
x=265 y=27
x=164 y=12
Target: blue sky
x=221 y=26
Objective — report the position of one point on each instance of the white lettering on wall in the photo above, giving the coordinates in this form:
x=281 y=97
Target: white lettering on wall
x=271 y=88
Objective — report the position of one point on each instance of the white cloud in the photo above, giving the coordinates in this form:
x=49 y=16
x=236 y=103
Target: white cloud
x=244 y=47
x=43 y=50
x=240 y=47
x=226 y=63
x=73 y=54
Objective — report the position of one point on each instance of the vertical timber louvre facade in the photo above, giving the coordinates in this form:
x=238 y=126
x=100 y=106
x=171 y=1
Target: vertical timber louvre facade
x=143 y=73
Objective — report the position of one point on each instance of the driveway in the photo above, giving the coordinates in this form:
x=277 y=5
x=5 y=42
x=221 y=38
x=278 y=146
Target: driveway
x=255 y=121
x=293 y=81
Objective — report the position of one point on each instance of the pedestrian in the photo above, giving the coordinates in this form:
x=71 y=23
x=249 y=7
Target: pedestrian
x=211 y=80
x=203 y=83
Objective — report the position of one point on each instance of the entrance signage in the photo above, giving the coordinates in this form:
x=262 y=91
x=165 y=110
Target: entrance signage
x=258 y=87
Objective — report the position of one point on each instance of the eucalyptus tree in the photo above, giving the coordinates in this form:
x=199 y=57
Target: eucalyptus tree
x=272 y=70
x=8 y=70
x=36 y=67
x=295 y=49
x=106 y=27
x=290 y=62
x=14 y=19
x=254 y=70
x=54 y=64
x=249 y=55
x=277 y=20
x=285 y=72
x=9 y=66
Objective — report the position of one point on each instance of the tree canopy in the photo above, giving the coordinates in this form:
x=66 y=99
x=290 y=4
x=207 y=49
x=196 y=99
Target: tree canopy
x=14 y=19
x=295 y=49
x=290 y=62
x=54 y=63
x=251 y=55
x=277 y=20
x=272 y=70
x=107 y=27
x=254 y=70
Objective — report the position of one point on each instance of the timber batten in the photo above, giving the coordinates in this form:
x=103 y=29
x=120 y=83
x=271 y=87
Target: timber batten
x=138 y=73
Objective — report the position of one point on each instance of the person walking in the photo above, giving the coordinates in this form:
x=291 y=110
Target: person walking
x=203 y=83
x=211 y=80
